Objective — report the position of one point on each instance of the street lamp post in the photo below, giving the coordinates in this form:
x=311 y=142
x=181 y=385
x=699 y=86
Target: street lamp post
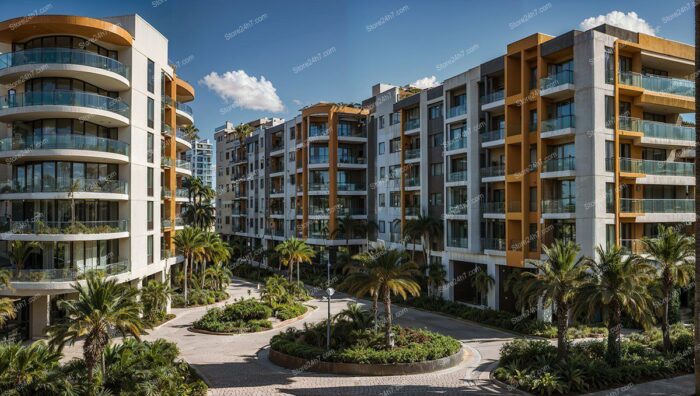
x=329 y=292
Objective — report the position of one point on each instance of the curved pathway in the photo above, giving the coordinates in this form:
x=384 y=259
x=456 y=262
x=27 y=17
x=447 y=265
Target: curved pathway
x=230 y=364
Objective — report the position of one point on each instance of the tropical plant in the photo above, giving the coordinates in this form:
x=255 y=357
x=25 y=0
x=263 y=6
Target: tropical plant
x=673 y=254
x=294 y=251
x=191 y=132
x=696 y=299
x=615 y=284
x=218 y=276
x=482 y=283
x=20 y=251
x=190 y=241
x=555 y=283
x=7 y=306
x=30 y=370
x=354 y=314
x=155 y=296
x=435 y=277
x=428 y=227
x=411 y=232
x=101 y=308
x=362 y=279
x=242 y=131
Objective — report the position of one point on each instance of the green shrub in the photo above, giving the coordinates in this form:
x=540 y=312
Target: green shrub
x=244 y=316
x=289 y=311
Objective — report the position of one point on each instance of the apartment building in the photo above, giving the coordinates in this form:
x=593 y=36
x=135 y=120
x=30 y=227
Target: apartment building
x=200 y=157
x=91 y=161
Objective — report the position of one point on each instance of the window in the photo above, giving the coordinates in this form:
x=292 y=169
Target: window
x=532 y=238
x=382 y=226
x=382 y=173
x=609 y=66
x=533 y=78
x=436 y=169
x=533 y=120
x=437 y=139
x=610 y=197
x=149 y=215
x=149 y=147
x=381 y=122
x=610 y=234
x=149 y=181
x=609 y=111
x=149 y=249
x=149 y=112
x=151 y=76
x=395 y=198
x=381 y=148
x=610 y=156
x=382 y=200
x=435 y=111
x=395 y=145
x=436 y=199
x=533 y=199
x=394 y=118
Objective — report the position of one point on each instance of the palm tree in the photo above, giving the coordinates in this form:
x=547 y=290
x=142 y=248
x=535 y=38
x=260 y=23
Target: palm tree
x=411 y=232
x=428 y=227
x=697 y=199
x=101 y=308
x=20 y=251
x=482 y=283
x=242 y=131
x=672 y=253
x=295 y=251
x=72 y=189
x=7 y=306
x=190 y=241
x=555 y=282
x=35 y=369
x=219 y=276
x=191 y=132
x=200 y=214
x=362 y=279
x=354 y=314
x=615 y=283
x=435 y=277
x=155 y=296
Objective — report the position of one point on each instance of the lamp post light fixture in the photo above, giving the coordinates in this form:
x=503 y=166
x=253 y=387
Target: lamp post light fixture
x=329 y=292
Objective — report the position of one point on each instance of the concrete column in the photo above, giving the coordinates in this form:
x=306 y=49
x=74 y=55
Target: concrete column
x=492 y=298
x=38 y=315
x=448 y=289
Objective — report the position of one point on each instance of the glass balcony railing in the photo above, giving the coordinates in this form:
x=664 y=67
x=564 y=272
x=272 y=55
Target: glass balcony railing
x=345 y=130
x=412 y=181
x=179 y=222
x=62 y=56
x=628 y=205
x=493 y=243
x=350 y=212
x=318 y=159
x=64 y=227
x=458 y=242
x=67 y=142
x=411 y=153
x=185 y=108
x=318 y=130
x=459 y=209
x=182 y=193
x=319 y=186
x=660 y=168
x=165 y=192
x=456 y=143
x=412 y=210
x=457 y=111
x=493 y=171
x=559 y=164
x=349 y=186
x=490 y=136
x=66 y=186
x=655 y=129
x=68 y=274
x=346 y=159
x=277 y=190
x=667 y=85
x=554 y=124
x=557 y=79
x=65 y=98
x=559 y=206
x=457 y=176
x=166 y=129
x=494 y=96
x=182 y=164
x=493 y=207
x=412 y=124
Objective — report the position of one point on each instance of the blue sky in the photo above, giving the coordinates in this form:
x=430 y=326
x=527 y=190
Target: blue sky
x=312 y=50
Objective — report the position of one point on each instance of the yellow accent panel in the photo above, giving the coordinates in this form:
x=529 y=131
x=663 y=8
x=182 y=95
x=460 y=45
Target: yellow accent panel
x=667 y=47
x=528 y=42
x=22 y=28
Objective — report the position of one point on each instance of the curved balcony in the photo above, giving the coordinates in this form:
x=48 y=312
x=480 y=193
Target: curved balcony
x=63 y=231
x=100 y=109
x=183 y=114
x=184 y=167
x=98 y=70
x=62 y=188
x=52 y=277
x=87 y=148
x=183 y=144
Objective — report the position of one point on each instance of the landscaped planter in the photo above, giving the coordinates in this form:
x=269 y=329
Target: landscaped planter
x=277 y=325
x=317 y=366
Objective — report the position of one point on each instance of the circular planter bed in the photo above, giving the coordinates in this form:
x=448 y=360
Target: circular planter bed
x=247 y=316
x=357 y=350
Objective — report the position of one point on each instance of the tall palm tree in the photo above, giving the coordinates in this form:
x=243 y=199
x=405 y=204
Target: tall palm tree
x=295 y=251
x=363 y=280
x=101 y=308
x=428 y=228
x=482 y=283
x=242 y=131
x=7 y=306
x=615 y=283
x=20 y=251
x=200 y=214
x=435 y=276
x=155 y=296
x=411 y=232
x=697 y=199
x=191 y=132
x=555 y=282
x=219 y=276
x=673 y=254
x=190 y=241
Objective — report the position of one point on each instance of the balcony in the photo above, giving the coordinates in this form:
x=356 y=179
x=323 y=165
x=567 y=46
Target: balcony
x=412 y=211
x=493 y=244
x=318 y=131
x=345 y=130
x=412 y=124
x=459 y=209
x=493 y=207
x=458 y=242
x=182 y=193
x=628 y=205
x=457 y=143
x=319 y=186
x=183 y=165
x=457 y=111
x=492 y=136
x=166 y=129
x=112 y=74
x=493 y=171
x=559 y=165
x=277 y=146
x=559 y=206
x=10 y=147
x=349 y=186
x=633 y=246
x=558 y=85
x=492 y=97
x=659 y=168
x=409 y=154
x=77 y=186
x=68 y=274
x=318 y=159
x=660 y=130
x=166 y=223
x=349 y=159
x=39 y=230
x=61 y=104
x=350 y=212
x=666 y=85
x=413 y=181
x=556 y=127
x=457 y=176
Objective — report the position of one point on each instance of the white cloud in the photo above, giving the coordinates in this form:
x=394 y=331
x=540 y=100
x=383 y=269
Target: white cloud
x=297 y=102
x=630 y=21
x=425 y=82
x=244 y=91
